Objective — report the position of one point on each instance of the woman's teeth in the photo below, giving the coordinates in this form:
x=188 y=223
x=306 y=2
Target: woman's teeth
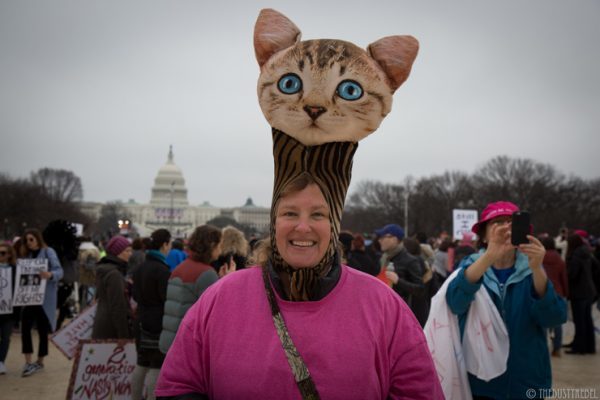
x=302 y=243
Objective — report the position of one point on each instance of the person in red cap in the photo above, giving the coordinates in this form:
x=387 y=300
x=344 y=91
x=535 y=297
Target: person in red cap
x=525 y=298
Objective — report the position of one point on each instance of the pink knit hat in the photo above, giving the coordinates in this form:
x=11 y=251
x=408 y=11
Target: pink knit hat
x=116 y=245
x=493 y=210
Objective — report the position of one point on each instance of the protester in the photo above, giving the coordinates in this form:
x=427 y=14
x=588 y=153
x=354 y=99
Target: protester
x=338 y=343
x=522 y=294
x=420 y=302
x=556 y=270
x=150 y=292
x=43 y=316
x=441 y=263
x=8 y=261
x=234 y=248
x=113 y=314
x=403 y=270
x=357 y=256
x=582 y=294
x=88 y=257
x=190 y=279
x=138 y=256
x=176 y=254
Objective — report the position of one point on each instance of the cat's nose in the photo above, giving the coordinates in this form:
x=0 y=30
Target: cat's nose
x=314 y=111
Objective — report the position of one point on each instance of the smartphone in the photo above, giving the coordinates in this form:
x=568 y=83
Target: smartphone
x=521 y=222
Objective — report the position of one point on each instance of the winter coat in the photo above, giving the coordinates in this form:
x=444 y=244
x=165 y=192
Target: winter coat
x=362 y=261
x=556 y=270
x=150 y=292
x=54 y=266
x=188 y=281
x=113 y=314
x=410 y=273
x=579 y=270
x=175 y=257
x=526 y=317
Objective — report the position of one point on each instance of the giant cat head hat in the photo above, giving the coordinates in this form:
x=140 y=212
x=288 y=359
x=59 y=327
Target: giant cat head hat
x=321 y=97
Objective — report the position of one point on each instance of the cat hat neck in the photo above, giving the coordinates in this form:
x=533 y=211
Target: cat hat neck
x=321 y=97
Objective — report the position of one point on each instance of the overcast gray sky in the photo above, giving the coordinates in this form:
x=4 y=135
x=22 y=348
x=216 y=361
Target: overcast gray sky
x=103 y=88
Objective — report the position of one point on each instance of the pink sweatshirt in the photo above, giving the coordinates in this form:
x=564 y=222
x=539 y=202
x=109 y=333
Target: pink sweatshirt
x=360 y=342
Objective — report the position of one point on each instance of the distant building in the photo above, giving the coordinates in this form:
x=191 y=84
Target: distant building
x=169 y=207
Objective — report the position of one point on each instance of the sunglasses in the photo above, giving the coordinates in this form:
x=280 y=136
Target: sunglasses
x=3 y=253
x=31 y=239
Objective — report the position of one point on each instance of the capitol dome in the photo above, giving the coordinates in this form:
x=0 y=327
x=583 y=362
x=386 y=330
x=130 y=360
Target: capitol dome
x=169 y=186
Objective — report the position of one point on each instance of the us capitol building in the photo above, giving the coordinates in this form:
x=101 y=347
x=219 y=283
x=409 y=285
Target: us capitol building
x=169 y=197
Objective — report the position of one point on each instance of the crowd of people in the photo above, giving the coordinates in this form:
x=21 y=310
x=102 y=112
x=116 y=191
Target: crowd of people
x=147 y=290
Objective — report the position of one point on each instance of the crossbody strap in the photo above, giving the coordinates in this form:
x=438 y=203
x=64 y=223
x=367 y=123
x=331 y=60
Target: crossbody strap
x=301 y=375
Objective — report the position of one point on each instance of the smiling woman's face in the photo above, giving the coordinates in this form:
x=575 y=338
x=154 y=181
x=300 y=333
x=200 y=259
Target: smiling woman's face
x=302 y=227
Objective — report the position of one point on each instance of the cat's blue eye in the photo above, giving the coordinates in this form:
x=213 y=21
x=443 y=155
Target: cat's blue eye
x=290 y=84
x=349 y=90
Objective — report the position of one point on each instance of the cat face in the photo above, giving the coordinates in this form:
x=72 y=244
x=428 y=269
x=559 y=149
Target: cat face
x=324 y=91
x=320 y=91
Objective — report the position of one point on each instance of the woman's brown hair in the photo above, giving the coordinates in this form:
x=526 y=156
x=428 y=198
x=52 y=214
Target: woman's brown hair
x=202 y=243
x=37 y=235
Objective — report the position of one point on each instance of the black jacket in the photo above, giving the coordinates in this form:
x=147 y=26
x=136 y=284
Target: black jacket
x=579 y=272
x=410 y=275
x=150 y=282
x=113 y=312
x=362 y=261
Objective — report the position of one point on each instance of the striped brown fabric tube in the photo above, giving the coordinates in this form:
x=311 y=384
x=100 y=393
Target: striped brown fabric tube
x=330 y=165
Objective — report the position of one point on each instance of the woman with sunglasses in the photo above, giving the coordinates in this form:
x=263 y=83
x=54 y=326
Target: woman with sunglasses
x=7 y=261
x=44 y=316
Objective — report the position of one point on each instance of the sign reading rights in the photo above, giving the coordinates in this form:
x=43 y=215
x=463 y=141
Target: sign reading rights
x=102 y=370
x=29 y=285
x=6 y=291
x=67 y=339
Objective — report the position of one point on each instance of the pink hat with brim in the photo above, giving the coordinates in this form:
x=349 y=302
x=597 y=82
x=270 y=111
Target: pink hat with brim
x=494 y=210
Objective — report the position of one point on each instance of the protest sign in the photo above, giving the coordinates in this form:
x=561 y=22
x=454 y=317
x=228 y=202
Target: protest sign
x=80 y=328
x=462 y=221
x=6 y=291
x=102 y=370
x=29 y=285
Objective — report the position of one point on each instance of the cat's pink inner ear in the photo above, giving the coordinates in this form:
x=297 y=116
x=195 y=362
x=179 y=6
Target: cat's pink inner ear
x=273 y=32
x=395 y=55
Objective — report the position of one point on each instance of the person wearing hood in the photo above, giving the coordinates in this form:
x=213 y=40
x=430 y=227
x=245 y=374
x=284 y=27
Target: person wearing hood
x=113 y=313
x=525 y=298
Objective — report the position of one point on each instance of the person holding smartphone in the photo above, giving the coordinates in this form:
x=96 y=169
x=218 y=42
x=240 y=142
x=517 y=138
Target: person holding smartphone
x=512 y=274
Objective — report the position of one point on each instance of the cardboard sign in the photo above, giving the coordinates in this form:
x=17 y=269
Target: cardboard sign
x=29 y=285
x=67 y=339
x=102 y=370
x=463 y=221
x=6 y=291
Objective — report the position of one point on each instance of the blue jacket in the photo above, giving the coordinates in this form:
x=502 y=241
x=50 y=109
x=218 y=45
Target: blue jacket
x=50 y=295
x=526 y=317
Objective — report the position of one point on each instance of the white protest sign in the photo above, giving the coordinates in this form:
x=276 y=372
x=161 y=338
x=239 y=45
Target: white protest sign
x=29 y=285
x=102 y=370
x=67 y=339
x=462 y=221
x=5 y=290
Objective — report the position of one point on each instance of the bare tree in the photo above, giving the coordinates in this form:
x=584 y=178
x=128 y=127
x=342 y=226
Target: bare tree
x=59 y=184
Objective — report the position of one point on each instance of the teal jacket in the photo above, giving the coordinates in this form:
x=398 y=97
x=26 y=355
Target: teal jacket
x=526 y=317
